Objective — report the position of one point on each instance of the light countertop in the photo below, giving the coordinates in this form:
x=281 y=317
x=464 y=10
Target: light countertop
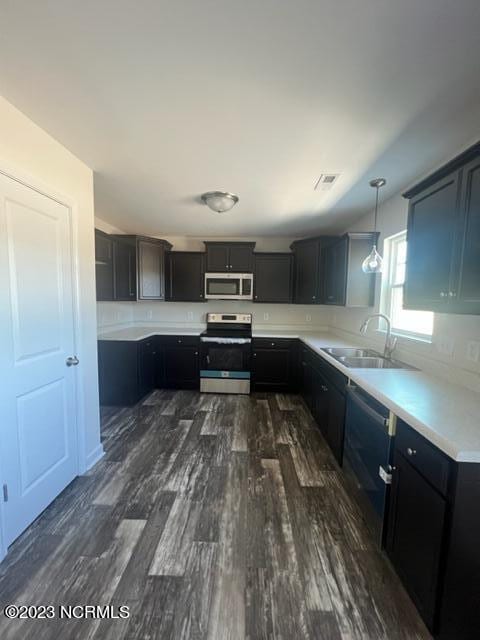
x=445 y=414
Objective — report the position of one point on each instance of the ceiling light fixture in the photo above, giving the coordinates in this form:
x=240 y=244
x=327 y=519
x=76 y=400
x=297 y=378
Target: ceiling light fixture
x=219 y=201
x=374 y=261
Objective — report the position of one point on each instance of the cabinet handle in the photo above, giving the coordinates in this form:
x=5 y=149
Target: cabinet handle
x=452 y=294
x=196 y=353
x=179 y=341
x=201 y=295
x=313 y=297
x=273 y=344
x=443 y=294
x=324 y=388
x=254 y=355
x=411 y=452
x=256 y=297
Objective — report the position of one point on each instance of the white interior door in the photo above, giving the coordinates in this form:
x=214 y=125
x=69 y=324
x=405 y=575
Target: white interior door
x=38 y=440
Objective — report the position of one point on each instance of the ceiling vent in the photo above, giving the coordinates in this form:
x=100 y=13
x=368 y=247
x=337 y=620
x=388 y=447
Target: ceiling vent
x=326 y=181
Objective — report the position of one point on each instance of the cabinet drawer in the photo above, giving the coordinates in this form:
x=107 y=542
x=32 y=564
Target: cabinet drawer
x=272 y=343
x=188 y=341
x=432 y=463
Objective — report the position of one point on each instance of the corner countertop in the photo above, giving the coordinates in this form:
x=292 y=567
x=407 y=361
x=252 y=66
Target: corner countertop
x=445 y=414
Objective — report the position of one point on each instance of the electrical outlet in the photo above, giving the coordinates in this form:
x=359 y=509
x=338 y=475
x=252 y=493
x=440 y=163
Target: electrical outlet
x=190 y=315
x=149 y=314
x=308 y=317
x=446 y=345
x=266 y=316
x=473 y=351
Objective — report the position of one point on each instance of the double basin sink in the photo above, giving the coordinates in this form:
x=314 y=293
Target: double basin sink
x=363 y=359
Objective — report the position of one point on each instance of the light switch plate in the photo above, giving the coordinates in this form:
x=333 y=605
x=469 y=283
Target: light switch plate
x=473 y=351
x=308 y=317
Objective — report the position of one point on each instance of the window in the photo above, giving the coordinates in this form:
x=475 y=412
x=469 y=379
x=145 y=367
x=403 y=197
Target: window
x=416 y=324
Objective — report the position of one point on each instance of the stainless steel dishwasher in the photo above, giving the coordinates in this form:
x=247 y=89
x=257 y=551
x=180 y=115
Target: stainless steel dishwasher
x=367 y=457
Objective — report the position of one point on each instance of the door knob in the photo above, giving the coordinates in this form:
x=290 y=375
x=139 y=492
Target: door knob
x=72 y=361
x=411 y=452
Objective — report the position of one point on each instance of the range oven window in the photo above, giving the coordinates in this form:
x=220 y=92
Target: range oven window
x=223 y=286
x=225 y=357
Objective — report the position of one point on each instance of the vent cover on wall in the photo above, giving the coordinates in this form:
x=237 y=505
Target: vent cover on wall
x=326 y=181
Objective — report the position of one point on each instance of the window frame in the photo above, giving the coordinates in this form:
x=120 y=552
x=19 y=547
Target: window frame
x=391 y=245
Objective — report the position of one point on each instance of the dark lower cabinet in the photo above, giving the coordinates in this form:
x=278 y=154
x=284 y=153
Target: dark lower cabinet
x=273 y=277
x=323 y=389
x=181 y=362
x=147 y=366
x=126 y=370
x=274 y=364
x=433 y=534
x=416 y=534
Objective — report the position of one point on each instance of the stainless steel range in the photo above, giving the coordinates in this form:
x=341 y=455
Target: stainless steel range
x=225 y=352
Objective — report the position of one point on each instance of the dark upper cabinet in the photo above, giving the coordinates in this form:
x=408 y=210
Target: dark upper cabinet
x=307 y=264
x=135 y=270
x=432 y=222
x=151 y=269
x=273 y=364
x=185 y=276
x=229 y=256
x=345 y=284
x=309 y=281
x=415 y=535
x=104 y=275
x=125 y=270
x=467 y=284
x=273 y=277
x=443 y=272
x=335 y=272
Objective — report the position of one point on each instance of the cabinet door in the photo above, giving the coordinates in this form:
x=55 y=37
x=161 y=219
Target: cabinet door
x=240 y=259
x=273 y=277
x=415 y=535
x=146 y=366
x=306 y=272
x=432 y=221
x=335 y=422
x=217 y=258
x=335 y=272
x=104 y=266
x=306 y=378
x=186 y=276
x=272 y=369
x=466 y=298
x=151 y=271
x=181 y=367
x=320 y=401
x=125 y=271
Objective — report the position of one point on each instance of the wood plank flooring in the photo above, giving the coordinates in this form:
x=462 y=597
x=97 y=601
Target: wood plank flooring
x=212 y=517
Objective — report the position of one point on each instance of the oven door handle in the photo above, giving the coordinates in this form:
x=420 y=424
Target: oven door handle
x=227 y=340
x=365 y=408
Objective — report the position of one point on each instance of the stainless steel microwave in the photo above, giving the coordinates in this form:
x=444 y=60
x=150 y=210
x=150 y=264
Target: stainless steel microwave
x=229 y=286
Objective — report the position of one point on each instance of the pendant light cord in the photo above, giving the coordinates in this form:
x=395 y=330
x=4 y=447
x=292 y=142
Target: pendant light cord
x=376 y=212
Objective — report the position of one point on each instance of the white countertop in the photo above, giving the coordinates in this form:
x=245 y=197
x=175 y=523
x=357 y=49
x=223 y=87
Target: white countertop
x=447 y=415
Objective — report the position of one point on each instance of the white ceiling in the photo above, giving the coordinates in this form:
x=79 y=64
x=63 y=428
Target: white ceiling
x=165 y=100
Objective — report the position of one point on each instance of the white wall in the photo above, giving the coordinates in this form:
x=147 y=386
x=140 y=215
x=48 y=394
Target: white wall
x=451 y=333
x=27 y=150
x=113 y=315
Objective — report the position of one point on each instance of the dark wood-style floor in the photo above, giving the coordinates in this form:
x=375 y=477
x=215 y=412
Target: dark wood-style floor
x=221 y=517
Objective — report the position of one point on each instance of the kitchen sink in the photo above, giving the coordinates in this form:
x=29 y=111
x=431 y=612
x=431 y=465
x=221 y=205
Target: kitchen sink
x=372 y=362
x=350 y=352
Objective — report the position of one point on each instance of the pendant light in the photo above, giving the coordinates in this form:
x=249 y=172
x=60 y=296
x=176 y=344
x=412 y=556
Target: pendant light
x=374 y=261
x=219 y=201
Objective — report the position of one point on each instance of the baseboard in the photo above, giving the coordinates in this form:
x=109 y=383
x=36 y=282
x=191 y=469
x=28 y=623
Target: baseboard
x=94 y=456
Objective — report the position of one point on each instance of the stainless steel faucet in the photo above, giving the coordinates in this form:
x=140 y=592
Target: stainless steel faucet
x=390 y=341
